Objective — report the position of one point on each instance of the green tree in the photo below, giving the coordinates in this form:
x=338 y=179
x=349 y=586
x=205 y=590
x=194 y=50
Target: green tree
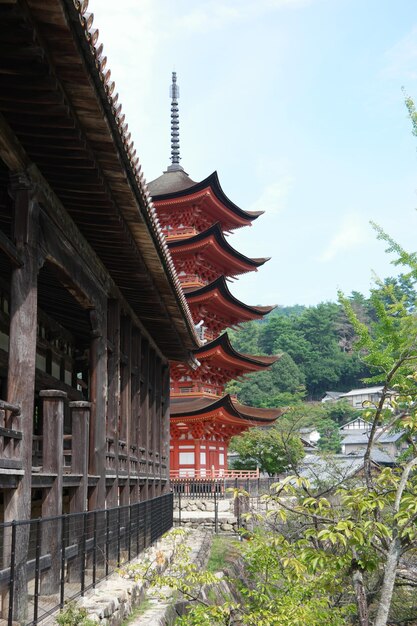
x=271 y=450
x=260 y=389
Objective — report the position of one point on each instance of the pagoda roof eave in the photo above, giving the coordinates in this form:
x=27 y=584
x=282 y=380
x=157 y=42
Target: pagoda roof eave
x=213 y=182
x=223 y=343
x=183 y=408
x=220 y=285
x=215 y=234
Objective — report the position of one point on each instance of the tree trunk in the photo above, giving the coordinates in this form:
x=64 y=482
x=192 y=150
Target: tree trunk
x=361 y=600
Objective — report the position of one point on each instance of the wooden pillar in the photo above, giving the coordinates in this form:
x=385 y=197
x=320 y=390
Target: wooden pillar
x=80 y=417
x=197 y=463
x=144 y=416
x=125 y=402
x=165 y=429
x=113 y=402
x=158 y=424
x=53 y=458
x=152 y=420
x=21 y=367
x=98 y=399
x=135 y=411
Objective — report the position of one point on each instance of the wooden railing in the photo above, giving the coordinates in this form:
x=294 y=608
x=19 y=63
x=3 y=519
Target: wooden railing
x=10 y=436
x=213 y=473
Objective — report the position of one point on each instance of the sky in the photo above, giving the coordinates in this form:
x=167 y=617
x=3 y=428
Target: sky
x=298 y=105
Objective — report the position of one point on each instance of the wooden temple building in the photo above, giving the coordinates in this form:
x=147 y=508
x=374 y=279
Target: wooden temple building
x=195 y=217
x=91 y=308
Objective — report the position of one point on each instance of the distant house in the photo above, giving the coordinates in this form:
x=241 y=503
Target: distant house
x=358 y=398
x=332 y=396
x=392 y=444
x=309 y=434
x=334 y=470
x=355 y=426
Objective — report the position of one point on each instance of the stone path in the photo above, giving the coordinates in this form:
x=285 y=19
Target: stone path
x=114 y=599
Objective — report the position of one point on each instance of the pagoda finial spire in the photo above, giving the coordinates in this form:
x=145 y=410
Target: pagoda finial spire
x=175 y=126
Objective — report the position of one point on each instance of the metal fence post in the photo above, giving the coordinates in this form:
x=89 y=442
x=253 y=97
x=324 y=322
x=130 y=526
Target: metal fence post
x=107 y=541
x=83 y=553
x=12 y=573
x=118 y=537
x=63 y=531
x=216 y=511
x=37 y=570
x=129 y=548
x=94 y=547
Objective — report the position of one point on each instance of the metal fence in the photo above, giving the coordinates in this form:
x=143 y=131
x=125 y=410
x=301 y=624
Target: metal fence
x=47 y=561
x=200 y=488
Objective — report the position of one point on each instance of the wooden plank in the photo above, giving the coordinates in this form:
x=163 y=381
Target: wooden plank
x=11 y=152
x=10 y=250
x=8 y=432
x=11 y=464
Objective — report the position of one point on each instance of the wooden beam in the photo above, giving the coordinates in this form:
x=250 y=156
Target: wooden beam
x=11 y=152
x=10 y=250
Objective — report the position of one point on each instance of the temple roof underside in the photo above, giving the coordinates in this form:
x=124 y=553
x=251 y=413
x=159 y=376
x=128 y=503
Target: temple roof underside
x=210 y=255
x=198 y=207
x=221 y=418
x=219 y=309
x=220 y=360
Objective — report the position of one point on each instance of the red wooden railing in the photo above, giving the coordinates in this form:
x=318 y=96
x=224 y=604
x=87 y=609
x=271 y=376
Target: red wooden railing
x=213 y=473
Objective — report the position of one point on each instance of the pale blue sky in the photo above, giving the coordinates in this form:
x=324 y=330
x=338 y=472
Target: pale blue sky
x=298 y=106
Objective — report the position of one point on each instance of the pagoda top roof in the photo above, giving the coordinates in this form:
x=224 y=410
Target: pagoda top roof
x=170 y=182
x=215 y=234
x=189 y=407
x=177 y=184
x=223 y=342
x=219 y=285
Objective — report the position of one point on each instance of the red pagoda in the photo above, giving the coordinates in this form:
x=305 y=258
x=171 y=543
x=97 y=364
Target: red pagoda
x=194 y=218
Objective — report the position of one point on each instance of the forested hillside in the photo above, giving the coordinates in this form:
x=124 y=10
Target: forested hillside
x=316 y=344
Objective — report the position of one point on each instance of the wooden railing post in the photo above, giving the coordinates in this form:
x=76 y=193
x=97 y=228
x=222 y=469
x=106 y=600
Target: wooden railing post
x=80 y=419
x=53 y=461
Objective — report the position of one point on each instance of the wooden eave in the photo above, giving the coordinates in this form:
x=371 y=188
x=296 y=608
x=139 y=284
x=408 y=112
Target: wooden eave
x=57 y=98
x=221 y=351
x=211 y=182
x=217 y=250
x=206 y=201
x=189 y=410
x=216 y=296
